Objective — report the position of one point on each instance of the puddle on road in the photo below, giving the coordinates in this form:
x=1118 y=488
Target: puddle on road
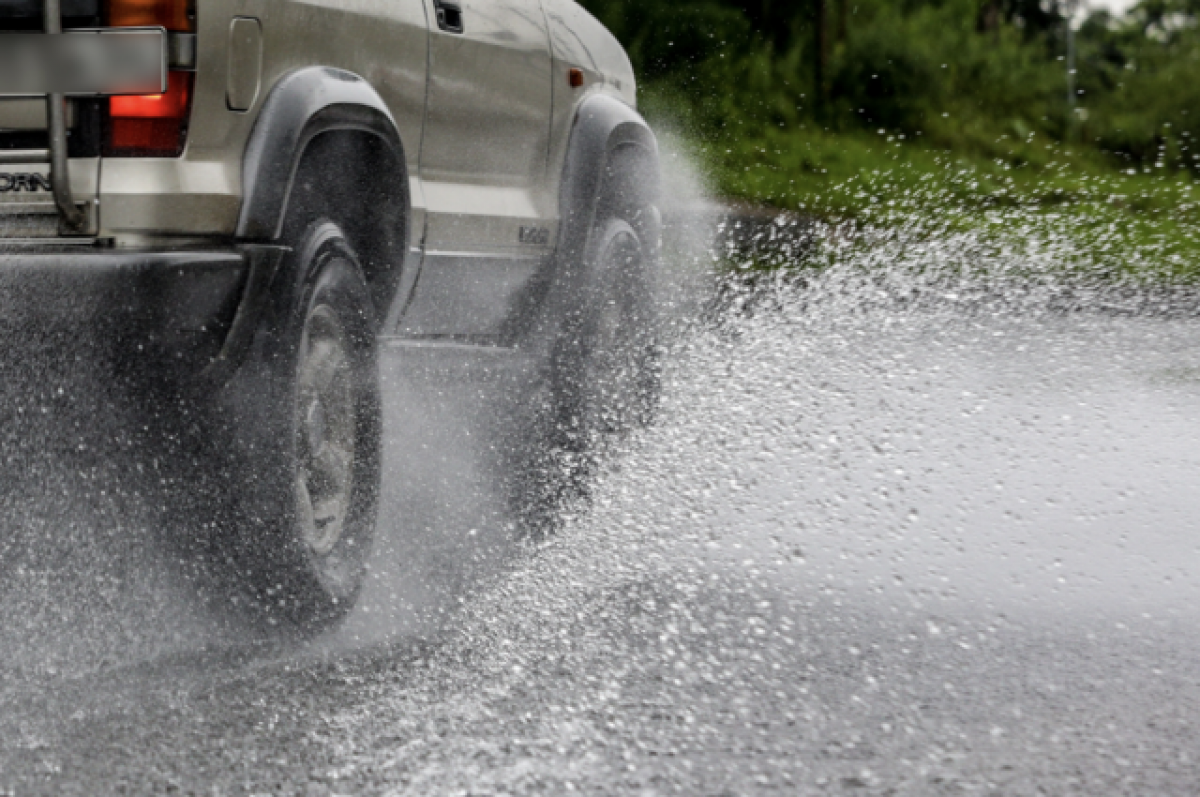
x=866 y=491
x=849 y=541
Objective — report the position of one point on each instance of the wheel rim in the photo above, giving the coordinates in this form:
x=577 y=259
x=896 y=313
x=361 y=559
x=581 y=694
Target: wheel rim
x=325 y=431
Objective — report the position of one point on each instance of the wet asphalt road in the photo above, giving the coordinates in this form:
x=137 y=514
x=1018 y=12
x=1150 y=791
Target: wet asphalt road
x=863 y=551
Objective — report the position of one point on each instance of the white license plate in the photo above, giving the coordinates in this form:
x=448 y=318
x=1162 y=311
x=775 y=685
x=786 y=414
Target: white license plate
x=92 y=62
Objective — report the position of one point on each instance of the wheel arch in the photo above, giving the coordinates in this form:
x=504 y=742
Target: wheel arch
x=316 y=119
x=609 y=141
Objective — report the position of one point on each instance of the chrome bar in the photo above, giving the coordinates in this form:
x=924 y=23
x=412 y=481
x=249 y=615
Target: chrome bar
x=60 y=178
x=8 y=156
x=56 y=112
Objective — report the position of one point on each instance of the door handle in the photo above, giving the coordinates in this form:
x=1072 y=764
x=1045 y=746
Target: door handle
x=449 y=16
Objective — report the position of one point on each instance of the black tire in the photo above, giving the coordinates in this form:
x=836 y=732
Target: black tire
x=605 y=362
x=313 y=456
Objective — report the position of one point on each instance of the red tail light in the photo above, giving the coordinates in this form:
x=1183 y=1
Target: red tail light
x=153 y=125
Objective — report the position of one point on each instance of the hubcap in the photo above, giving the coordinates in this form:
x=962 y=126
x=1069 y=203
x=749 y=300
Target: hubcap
x=325 y=431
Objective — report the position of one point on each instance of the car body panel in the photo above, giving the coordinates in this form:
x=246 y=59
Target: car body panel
x=489 y=97
x=488 y=258
x=347 y=35
x=469 y=297
x=578 y=40
x=485 y=119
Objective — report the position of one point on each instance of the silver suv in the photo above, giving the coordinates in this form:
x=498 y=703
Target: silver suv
x=261 y=192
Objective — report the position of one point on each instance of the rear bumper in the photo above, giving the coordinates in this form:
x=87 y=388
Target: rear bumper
x=126 y=313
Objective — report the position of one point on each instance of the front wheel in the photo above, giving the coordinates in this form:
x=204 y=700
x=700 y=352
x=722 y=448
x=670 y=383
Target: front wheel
x=605 y=362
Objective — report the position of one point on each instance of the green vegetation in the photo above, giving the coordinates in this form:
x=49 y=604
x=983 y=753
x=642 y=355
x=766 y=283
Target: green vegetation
x=902 y=106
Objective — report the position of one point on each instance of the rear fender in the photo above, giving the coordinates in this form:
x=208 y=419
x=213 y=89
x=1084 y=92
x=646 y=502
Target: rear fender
x=341 y=124
x=301 y=106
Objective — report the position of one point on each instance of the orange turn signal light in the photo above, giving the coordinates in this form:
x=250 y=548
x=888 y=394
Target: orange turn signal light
x=575 y=78
x=170 y=14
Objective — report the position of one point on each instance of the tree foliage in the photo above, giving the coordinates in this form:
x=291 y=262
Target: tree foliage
x=964 y=74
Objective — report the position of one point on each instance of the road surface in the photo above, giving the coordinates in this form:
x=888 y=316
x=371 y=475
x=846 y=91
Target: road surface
x=869 y=547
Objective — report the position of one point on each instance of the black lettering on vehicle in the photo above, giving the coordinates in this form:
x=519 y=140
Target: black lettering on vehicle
x=17 y=182
x=535 y=236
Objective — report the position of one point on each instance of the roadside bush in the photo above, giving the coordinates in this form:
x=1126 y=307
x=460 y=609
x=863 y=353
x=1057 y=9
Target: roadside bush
x=1150 y=114
x=886 y=79
x=985 y=84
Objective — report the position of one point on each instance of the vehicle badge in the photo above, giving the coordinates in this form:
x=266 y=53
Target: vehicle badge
x=12 y=183
x=535 y=236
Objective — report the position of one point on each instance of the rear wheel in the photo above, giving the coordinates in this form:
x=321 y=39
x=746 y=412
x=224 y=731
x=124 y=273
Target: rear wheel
x=310 y=507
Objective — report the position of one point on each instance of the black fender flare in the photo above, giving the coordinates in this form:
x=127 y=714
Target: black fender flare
x=302 y=105
x=603 y=126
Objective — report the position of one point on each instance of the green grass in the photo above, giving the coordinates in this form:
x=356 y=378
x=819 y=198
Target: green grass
x=1139 y=222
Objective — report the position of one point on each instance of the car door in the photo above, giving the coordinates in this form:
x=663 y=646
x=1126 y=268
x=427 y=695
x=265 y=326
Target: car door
x=489 y=214
x=483 y=158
